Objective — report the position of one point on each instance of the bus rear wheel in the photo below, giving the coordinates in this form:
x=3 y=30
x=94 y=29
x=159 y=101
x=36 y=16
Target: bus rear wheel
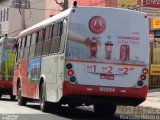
x=105 y=109
x=44 y=105
x=21 y=100
x=12 y=97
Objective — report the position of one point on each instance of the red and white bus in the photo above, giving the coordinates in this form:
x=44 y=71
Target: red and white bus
x=7 y=57
x=85 y=56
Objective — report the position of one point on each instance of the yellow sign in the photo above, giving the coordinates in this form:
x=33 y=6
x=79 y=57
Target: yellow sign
x=155 y=69
x=128 y=3
x=156 y=23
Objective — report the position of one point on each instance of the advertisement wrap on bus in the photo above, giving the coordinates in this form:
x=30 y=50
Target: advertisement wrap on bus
x=115 y=54
x=80 y=57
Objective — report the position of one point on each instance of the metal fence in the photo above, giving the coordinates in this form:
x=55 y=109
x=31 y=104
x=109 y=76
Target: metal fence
x=154 y=80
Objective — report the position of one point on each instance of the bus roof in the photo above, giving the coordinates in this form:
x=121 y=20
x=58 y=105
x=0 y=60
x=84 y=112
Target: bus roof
x=45 y=22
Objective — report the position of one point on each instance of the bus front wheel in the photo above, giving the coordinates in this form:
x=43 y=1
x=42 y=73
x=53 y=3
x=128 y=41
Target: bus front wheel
x=105 y=109
x=21 y=100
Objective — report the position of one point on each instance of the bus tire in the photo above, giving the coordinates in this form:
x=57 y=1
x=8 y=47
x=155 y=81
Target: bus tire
x=21 y=100
x=44 y=105
x=12 y=97
x=105 y=109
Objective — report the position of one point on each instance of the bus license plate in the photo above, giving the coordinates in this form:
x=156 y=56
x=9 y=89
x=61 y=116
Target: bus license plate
x=107 y=76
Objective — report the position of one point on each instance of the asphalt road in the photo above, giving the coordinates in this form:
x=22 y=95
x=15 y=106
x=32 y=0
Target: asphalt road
x=10 y=110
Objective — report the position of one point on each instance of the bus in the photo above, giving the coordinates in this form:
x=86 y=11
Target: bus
x=7 y=56
x=84 y=56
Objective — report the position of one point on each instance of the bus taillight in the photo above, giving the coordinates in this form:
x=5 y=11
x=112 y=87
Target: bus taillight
x=143 y=77
x=70 y=72
x=145 y=71
x=69 y=66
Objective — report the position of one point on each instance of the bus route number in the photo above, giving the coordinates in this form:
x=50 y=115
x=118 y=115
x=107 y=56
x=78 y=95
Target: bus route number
x=106 y=89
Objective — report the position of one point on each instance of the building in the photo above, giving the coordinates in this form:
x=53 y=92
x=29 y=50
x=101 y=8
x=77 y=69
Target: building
x=10 y=17
x=56 y=4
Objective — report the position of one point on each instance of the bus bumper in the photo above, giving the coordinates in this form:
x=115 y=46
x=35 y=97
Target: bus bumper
x=5 y=87
x=118 y=95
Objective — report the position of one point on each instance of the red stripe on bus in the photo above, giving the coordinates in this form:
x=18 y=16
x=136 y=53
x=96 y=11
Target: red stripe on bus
x=74 y=89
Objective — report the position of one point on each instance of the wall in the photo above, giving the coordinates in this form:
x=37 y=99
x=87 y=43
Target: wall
x=4 y=25
x=32 y=16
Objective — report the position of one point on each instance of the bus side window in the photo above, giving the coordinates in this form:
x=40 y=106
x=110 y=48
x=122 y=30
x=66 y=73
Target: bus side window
x=60 y=28
x=55 y=30
x=18 y=49
x=26 y=47
x=47 y=33
x=22 y=47
x=47 y=41
x=39 y=45
x=33 y=45
x=63 y=36
x=56 y=38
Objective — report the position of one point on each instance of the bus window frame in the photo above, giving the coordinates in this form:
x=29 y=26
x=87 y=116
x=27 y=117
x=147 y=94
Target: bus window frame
x=64 y=36
x=40 y=42
x=22 y=47
x=33 y=44
x=49 y=39
x=17 y=50
x=57 y=35
x=27 y=46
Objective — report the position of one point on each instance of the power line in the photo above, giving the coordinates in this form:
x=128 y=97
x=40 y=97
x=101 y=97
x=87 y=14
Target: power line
x=14 y=31
x=36 y=2
x=31 y=3
x=44 y=9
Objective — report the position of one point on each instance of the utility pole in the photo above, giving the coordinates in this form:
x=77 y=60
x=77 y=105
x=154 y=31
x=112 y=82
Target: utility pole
x=141 y=5
x=21 y=5
x=64 y=4
x=23 y=25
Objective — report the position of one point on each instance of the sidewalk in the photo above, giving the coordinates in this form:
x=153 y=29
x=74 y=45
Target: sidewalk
x=153 y=99
x=150 y=106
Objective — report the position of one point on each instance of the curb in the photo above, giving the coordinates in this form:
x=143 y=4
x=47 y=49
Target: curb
x=154 y=90
x=137 y=110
